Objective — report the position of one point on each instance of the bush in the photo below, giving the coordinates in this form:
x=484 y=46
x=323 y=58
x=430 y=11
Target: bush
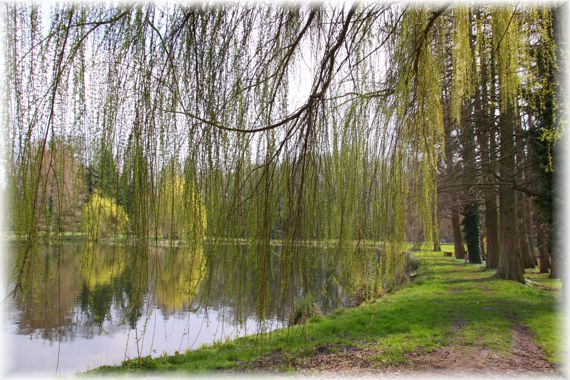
x=102 y=217
x=413 y=264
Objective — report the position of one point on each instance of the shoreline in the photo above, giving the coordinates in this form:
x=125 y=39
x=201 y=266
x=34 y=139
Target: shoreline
x=449 y=307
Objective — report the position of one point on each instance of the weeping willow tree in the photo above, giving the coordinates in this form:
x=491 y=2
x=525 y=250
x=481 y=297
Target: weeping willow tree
x=209 y=111
x=182 y=214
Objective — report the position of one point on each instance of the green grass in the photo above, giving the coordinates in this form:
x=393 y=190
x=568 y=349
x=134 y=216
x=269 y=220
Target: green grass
x=448 y=303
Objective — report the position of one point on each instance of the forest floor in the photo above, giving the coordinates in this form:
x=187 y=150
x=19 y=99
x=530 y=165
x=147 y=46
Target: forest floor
x=454 y=318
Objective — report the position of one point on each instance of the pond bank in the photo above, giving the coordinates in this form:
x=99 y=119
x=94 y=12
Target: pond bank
x=453 y=317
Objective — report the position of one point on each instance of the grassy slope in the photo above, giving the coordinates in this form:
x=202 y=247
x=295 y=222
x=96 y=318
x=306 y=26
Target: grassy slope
x=446 y=294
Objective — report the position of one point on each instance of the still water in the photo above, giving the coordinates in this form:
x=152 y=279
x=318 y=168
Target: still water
x=79 y=306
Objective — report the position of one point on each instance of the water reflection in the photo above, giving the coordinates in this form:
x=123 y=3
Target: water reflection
x=122 y=301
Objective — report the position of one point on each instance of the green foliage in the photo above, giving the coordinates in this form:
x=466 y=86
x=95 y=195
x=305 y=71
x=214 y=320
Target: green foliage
x=182 y=214
x=505 y=23
x=171 y=208
x=414 y=264
x=354 y=167
x=102 y=217
x=304 y=309
x=546 y=133
x=413 y=171
x=461 y=86
x=102 y=175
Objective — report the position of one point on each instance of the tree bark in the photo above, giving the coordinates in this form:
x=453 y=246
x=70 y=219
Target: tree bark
x=436 y=232
x=509 y=266
x=492 y=226
x=527 y=250
x=450 y=169
x=471 y=226
x=482 y=244
x=542 y=247
x=554 y=270
x=457 y=238
x=471 y=205
x=487 y=143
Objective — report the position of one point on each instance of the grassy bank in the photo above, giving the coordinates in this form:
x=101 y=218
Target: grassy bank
x=448 y=303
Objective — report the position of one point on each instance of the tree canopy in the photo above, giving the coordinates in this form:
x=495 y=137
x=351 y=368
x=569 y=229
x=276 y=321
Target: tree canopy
x=292 y=122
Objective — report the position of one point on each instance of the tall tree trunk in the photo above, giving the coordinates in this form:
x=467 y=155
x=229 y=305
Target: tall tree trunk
x=542 y=247
x=528 y=225
x=471 y=226
x=492 y=227
x=553 y=115
x=451 y=178
x=527 y=250
x=449 y=149
x=528 y=256
x=486 y=131
x=471 y=207
x=554 y=265
x=436 y=232
x=509 y=266
x=482 y=242
x=457 y=238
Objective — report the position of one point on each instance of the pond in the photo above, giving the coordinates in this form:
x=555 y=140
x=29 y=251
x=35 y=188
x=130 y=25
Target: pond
x=78 y=306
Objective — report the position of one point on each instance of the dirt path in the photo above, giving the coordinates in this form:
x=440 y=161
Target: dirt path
x=525 y=357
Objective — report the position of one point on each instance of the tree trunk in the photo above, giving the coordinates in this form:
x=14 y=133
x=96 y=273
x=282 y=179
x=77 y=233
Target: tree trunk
x=436 y=244
x=554 y=115
x=529 y=227
x=471 y=225
x=492 y=226
x=527 y=250
x=482 y=245
x=509 y=266
x=485 y=134
x=436 y=233
x=554 y=264
x=457 y=239
x=451 y=170
x=470 y=175
x=525 y=242
x=542 y=247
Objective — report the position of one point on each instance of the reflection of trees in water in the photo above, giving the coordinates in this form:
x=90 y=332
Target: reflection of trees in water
x=49 y=287
x=178 y=273
x=100 y=268
x=135 y=285
x=237 y=279
x=73 y=290
x=70 y=290
x=114 y=276
x=99 y=287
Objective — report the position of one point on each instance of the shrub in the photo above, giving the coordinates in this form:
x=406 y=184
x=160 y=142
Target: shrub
x=413 y=264
x=102 y=217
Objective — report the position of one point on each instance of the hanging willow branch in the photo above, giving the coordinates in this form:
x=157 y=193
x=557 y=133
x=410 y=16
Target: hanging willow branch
x=298 y=124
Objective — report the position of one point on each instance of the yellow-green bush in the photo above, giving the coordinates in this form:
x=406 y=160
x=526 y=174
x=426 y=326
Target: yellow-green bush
x=102 y=217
